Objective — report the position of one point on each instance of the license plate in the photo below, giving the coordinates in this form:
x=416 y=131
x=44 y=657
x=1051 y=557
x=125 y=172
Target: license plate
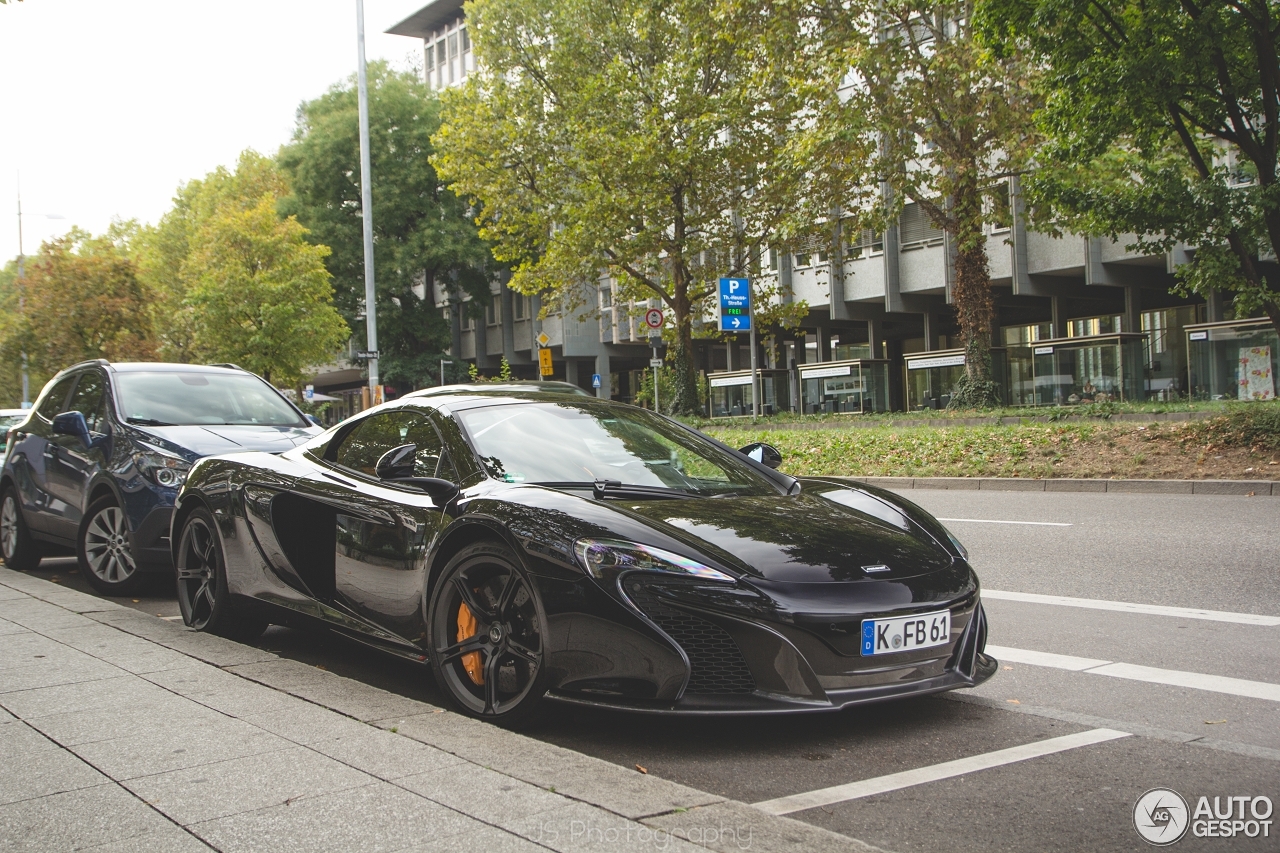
x=905 y=633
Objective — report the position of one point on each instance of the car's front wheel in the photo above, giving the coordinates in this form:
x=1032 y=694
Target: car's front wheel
x=20 y=551
x=203 y=596
x=486 y=630
x=105 y=549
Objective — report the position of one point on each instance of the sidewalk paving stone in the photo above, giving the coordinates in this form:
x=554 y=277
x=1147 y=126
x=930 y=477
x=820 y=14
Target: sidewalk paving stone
x=390 y=819
x=383 y=754
x=226 y=788
x=344 y=695
x=579 y=826
x=503 y=798
x=32 y=613
x=8 y=628
x=304 y=723
x=166 y=839
x=201 y=743
x=121 y=691
x=156 y=716
x=41 y=674
x=132 y=654
x=75 y=819
x=732 y=827
x=487 y=839
x=17 y=740
x=48 y=771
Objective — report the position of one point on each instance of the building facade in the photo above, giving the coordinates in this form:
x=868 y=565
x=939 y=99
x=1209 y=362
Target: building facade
x=1079 y=319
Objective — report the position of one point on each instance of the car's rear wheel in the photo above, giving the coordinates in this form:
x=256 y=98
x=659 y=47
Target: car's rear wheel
x=203 y=596
x=105 y=549
x=20 y=551
x=487 y=627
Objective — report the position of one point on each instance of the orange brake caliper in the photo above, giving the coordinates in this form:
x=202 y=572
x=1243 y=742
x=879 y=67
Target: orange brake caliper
x=466 y=630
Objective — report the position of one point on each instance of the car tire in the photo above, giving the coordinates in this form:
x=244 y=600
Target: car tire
x=21 y=552
x=203 y=595
x=105 y=549
x=496 y=672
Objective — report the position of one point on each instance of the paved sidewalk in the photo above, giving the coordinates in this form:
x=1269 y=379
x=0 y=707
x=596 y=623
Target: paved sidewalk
x=123 y=732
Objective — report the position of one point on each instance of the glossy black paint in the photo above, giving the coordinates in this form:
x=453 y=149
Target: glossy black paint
x=307 y=538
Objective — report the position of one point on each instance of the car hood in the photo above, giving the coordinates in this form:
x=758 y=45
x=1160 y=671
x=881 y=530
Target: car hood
x=196 y=441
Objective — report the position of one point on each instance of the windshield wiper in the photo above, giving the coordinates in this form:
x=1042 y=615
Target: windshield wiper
x=604 y=489
x=148 y=422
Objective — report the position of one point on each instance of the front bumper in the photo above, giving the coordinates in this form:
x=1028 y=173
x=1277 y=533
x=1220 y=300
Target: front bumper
x=737 y=664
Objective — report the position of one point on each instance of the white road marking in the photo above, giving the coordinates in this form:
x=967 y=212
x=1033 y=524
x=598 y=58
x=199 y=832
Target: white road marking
x=1130 y=607
x=997 y=521
x=935 y=772
x=1150 y=674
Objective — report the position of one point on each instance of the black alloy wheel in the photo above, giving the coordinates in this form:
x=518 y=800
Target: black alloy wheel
x=486 y=632
x=203 y=597
x=20 y=551
x=105 y=549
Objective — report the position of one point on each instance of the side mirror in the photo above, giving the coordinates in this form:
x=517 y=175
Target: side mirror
x=396 y=466
x=71 y=423
x=314 y=421
x=765 y=454
x=396 y=463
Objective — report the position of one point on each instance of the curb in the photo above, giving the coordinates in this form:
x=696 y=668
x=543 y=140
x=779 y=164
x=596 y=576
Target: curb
x=1249 y=488
x=572 y=788
x=745 y=422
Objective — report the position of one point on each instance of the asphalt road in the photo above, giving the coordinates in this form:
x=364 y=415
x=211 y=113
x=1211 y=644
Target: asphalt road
x=1184 y=694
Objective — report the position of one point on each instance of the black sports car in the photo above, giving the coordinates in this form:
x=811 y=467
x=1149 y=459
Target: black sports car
x=531 y=544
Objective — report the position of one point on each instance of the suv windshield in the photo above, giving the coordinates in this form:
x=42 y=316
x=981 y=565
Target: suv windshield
x=170 y=398
x=567 y=443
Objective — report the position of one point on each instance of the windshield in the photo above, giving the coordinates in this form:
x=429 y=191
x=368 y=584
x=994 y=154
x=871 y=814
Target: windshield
x=172 y=398
x=575 y=442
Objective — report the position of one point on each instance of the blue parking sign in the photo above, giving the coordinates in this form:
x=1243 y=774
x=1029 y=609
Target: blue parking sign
x=735 y=305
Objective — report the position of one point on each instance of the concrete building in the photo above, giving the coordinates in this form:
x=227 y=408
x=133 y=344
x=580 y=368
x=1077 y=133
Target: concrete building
x=1080 y=319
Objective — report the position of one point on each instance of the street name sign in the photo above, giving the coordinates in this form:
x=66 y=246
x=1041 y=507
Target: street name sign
x=735 y=305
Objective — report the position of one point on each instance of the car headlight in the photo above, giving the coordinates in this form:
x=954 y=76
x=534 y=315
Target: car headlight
x=600 y=555
x=963 y=551
x=166 y=469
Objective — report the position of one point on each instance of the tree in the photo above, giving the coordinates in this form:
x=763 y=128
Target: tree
x=423 y=234
x=1162 y=120
x=235 y=281
x=903 y=99
x=82 y=299
x=635 y=138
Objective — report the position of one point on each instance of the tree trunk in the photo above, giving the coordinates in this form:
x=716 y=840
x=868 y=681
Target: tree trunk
x=971 y=295
x=684 y=400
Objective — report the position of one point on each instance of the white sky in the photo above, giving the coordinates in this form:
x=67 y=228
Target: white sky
x=107 y=106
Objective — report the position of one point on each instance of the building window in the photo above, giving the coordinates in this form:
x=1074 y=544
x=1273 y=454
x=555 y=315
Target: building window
x=916 y=227
x=803 y=260
x=493 y=311
x=468 y=323
x=773 y=259
x=606 y=296
x=454 y=76
x=430 y=62
x=865 y=242
x=1000 y=209
x=519 y=309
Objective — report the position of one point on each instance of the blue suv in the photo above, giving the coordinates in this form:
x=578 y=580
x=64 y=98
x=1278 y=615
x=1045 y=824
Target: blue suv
x=97 y=464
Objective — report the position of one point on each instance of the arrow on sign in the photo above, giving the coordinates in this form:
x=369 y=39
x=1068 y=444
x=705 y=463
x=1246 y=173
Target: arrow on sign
x=736 y=322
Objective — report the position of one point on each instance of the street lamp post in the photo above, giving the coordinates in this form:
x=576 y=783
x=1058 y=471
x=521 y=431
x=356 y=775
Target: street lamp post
x=366 y=206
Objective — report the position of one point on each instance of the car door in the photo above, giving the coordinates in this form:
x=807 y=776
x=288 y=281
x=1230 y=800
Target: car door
x=74 y=466
x=383 y=532
x=34 y=454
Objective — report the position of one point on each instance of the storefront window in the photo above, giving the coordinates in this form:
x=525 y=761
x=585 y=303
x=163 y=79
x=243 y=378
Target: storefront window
x=1070 y=371
x=857 y=386
x=1235 y=360
x=1166 y=351
x=932 y=377
x=732 y=394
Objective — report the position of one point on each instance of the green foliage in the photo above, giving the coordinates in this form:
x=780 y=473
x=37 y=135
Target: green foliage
x=637 y=138
x=1160 y=120
x=667 y=390
x=234 y=281
x=82 y=300
x=423 y=234
x=1253 y=425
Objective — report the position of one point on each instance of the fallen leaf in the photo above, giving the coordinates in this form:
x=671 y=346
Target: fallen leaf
x=1006 y=667
x=321 y=666
x=1013 y=701
x=1250 y=495
x=135 y=601
x=1213 y=722
x=641 y=769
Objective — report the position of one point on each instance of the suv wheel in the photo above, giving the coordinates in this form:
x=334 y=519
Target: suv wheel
x=20 y=551
x=105 y=549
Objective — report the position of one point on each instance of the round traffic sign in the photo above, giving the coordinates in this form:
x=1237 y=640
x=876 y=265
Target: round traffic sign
x=653 y=318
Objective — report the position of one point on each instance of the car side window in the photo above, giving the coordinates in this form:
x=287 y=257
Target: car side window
x=51 y=405
x=87 y=399
x=361 y=448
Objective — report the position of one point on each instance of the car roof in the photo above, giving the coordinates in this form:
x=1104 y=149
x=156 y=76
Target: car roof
x=519 y=386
